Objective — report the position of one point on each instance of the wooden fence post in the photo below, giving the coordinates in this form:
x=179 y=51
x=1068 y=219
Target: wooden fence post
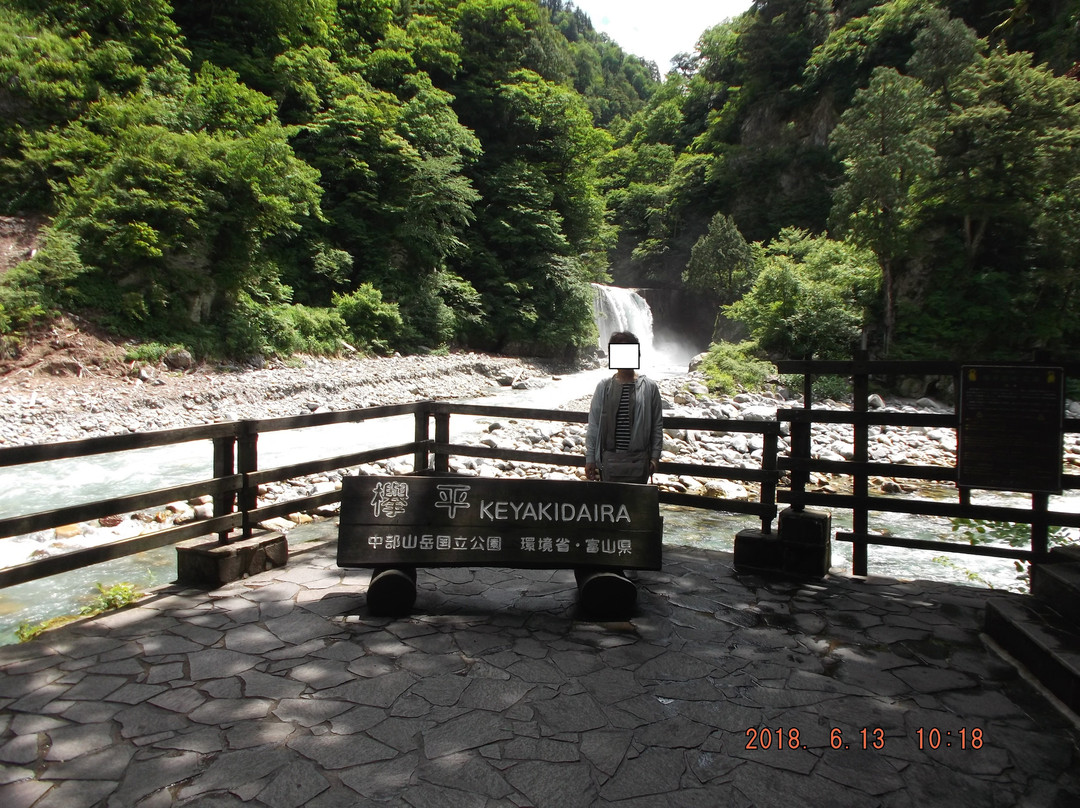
x=768 y=485
x=801 y=448
x=442 y=438
x=860 y=517
x=421 y=435
x=224 y=466
x=1040 y=526
x=248 y=463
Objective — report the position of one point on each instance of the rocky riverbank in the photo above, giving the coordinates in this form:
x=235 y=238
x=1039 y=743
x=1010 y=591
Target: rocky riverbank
x=68 y=402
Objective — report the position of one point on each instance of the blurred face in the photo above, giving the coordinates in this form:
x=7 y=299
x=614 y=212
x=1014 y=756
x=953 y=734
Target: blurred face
x=624 y=355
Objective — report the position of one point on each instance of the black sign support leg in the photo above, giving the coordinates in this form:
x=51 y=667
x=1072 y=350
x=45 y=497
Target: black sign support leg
x=605 y=594
x=392 y=591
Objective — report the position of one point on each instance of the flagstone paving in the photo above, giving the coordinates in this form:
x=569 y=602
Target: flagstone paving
x=724 y=690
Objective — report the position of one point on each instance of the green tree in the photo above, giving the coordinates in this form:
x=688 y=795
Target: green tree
x=886 y=147
x=1007 y=187
x=145 y=28
x=812 y=297
x=721 y=262
x=540 y=234
x=884 y=36
x=172 y=224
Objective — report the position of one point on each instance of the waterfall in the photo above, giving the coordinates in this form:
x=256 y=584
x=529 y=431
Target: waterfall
x=618 y=309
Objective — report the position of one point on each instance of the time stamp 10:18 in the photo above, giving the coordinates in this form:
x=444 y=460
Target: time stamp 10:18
x=865 y=738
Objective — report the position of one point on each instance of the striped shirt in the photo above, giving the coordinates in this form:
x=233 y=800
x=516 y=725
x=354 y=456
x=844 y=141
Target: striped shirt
x=622 y=419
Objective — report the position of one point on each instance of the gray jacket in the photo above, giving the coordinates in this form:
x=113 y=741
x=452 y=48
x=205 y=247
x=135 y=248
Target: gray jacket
x=646 y=429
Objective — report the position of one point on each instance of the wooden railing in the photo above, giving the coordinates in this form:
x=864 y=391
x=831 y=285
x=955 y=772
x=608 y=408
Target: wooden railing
x=236 y=475
x=861 y=501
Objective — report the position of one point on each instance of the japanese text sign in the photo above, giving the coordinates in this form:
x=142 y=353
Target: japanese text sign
x=1010 y=427
x=468 y=521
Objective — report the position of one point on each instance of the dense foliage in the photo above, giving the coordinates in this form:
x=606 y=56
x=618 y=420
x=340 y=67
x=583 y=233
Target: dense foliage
x=276 y=175
x=940 y=137
x=257 y=177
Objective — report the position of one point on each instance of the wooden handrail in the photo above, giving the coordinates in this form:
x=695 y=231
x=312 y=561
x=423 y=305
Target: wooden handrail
x=40 y=452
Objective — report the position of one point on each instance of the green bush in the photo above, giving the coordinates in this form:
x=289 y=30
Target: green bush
x=837 y=388
x=320 y=331
x=149 y=352
x=730 y=367
x=18 y=308
x=811 y=297
x=437 y=309
x=37 y=288
x=251 y=329
x=373 y=323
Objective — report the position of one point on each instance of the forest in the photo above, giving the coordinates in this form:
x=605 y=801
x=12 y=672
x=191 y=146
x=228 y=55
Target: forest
x=263 y=177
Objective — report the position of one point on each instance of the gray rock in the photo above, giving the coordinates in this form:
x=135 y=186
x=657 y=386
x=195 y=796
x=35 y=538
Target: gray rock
x=761 y=413
x=179 y=359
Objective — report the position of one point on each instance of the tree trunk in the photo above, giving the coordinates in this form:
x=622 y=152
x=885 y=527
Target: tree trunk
x=890 y=313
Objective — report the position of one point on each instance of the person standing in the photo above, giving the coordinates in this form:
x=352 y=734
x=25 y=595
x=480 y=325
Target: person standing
x=626 y=432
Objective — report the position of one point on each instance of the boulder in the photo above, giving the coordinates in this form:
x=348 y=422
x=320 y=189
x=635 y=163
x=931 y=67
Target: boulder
x=178 y=359
x=760 y=413
x=726 y=489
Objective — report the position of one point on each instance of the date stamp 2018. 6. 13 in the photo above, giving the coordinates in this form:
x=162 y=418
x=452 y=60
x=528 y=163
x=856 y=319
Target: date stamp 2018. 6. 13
x=778 y=738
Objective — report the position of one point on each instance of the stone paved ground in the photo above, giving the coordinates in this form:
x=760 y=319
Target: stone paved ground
x=280 y=691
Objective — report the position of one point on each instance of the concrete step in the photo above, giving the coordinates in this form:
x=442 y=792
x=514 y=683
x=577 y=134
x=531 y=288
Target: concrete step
x=1046 y=643
x=1058 y=585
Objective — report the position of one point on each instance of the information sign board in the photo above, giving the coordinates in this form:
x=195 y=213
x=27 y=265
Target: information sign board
x=1010 y=434
x=448 y=521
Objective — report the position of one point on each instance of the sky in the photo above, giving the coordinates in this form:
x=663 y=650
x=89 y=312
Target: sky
x=658 y=29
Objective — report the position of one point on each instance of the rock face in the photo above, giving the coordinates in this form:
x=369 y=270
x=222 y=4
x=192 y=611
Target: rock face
x=19 y=240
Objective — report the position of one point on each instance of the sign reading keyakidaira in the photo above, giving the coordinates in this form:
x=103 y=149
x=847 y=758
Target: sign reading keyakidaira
x=479 y=522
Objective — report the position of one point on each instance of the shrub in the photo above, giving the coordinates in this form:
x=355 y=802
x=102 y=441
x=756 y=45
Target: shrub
x=150 y=352
x=320 y=331
x=437 y=309
x=811 y=297
x=39 y=287
x=837 y=388
x=731 y=367
x=253 y=329
x=373 y=323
